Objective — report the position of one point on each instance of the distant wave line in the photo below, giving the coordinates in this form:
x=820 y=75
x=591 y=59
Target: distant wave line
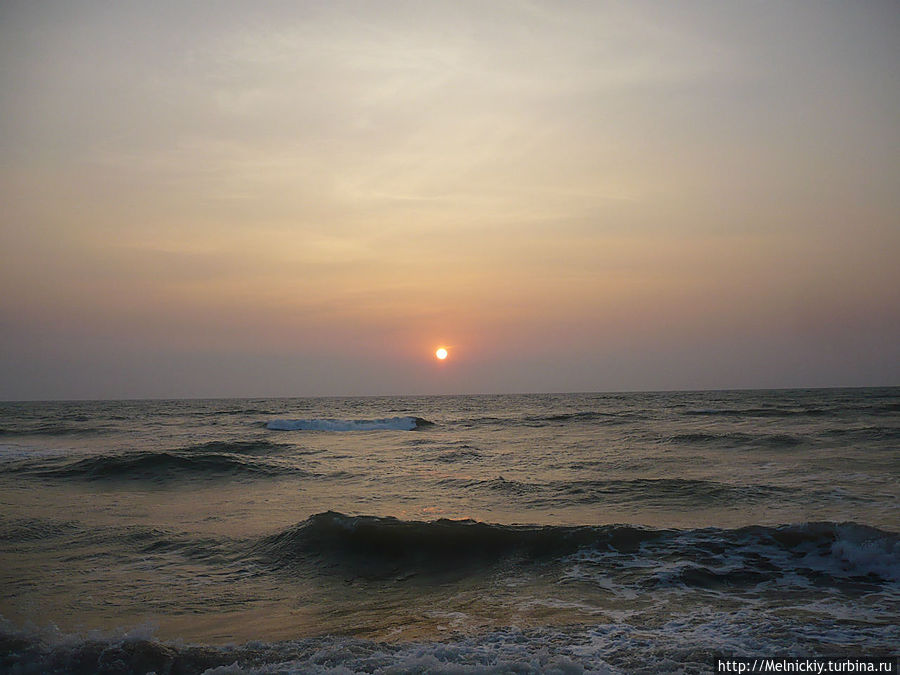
x=387 y=423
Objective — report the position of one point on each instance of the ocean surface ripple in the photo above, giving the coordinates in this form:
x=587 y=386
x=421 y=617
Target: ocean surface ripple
x=541 y=533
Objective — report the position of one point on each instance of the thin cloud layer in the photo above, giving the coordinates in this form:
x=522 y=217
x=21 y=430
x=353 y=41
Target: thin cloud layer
x=307 y=199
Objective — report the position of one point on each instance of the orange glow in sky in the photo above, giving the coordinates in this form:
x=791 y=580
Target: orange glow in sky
x=284 y=201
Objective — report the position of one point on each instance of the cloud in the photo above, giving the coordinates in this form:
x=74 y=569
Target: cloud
x=555 y=180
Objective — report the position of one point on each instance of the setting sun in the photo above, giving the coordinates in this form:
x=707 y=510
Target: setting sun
x=441 y=353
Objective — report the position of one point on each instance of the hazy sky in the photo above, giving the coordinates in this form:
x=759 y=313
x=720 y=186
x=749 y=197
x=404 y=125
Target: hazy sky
x=301 y=198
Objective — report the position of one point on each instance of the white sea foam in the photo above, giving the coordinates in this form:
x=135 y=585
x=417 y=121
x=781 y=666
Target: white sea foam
x=495 y=653
x=858 y=550
x=387 y=423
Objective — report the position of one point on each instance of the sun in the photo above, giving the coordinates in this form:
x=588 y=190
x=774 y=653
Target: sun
x=441 y=353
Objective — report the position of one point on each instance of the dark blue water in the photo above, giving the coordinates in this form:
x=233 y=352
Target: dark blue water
x=532 y=533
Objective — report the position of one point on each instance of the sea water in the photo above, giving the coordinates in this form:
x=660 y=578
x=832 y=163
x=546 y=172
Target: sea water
x=637 y=532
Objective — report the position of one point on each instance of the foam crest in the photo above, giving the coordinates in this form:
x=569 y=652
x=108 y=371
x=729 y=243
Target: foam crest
x=686 y=644
x=702 y=557
x=865 y=550
x=848 y=557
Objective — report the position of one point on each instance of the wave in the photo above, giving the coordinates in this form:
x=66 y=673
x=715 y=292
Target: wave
x=869 y=433
x=137 y=651
x=241 y=411
x=251 y=447
x=387 y=423
x=609 y=648
x=823 y=553
x=645 y=491
x=20 y=530
x=739 y=439
x=596 y=417
x=666 y=490
x=859 y=406
x=73 y=540
x=373 y=541
x=454 y=451
x=850 y=558
x=761 y=412
x=53 y=429
x=690 y=593
x=463 y=454
x=888 y=408
x=161 y=466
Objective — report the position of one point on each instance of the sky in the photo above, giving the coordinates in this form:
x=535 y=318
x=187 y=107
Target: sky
x=305 y=198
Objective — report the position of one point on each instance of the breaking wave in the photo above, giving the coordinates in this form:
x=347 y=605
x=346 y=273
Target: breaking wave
x=387 y=423
x=138 y=651
x=849 y=563
x=382 y=545
x=687 y=645
x=825 y=553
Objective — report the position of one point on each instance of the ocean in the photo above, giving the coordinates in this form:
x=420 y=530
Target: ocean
x=542 y=533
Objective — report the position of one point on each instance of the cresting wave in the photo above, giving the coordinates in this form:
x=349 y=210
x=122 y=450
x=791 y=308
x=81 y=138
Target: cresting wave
x=822 y=553
x=339 y=537
x=387 y=423
x=666 y=569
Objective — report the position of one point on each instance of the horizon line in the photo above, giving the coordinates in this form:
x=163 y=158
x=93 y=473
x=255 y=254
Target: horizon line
x=510 y=393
